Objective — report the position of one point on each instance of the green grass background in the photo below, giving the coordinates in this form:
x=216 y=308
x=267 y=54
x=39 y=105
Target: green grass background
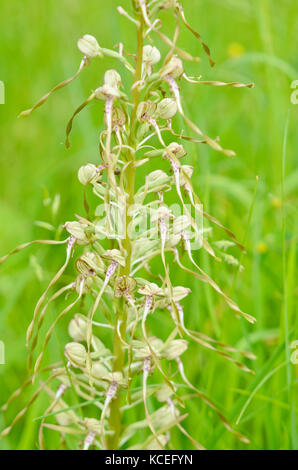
x=37 y=50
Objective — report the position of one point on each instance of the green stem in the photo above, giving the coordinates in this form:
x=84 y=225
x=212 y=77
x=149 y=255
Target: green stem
x=119 y=352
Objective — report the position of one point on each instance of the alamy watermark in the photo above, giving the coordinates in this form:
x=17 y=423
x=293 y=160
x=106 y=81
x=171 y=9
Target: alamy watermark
x=148 y=222
x=294 y=95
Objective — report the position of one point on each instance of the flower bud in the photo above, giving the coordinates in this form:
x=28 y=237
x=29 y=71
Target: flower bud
x=107 y=91
x=99 y=371
x=175 y=349
x=143 y=130
x=166 y=108
x=142 y=350
x=87 y=173
x=89 y=46
x=76 y=354
x=77 y=230
x=151 y=289
x=146 y=111
x=157 y=179
x=151 y=55
x=176 y=149
x=89 y=264
x=87 y=284
x=174 y=68
x=188 y=171
x=125 y=285
x=163 y=393
x=92 y=424
x=118 y=117
x=162 y=417
x=99 y=347
x=179 y=293
x=114 y=255
x=117 y=377
x=66 y=418
x=112 y=79
x=162 y=213
x=77 y=329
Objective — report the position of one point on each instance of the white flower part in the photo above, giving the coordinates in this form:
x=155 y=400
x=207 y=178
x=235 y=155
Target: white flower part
x=157 y=179
x=99 y=371
x=176 y=149
x=161 y=196
x=175 y=90
x=180 y=292
x=89 y=264
x=142 y=350
x=89 y=46
x=163 y=230
x=112 y=78
x=169 y=4
x=109 y=397
x=151 y=289
x=147 y=366
x=180 y=313
x=76 y=354
x=190 y=194
x=176 y=170
x=142 y=4
x=114 y=255
x=188 y=171
x=66 y=418
x=146 y=110
x=77 y=329
x=108 y=115
x=166 y=108
x=172 y=406
x=186 y=240
x=173 y=68
x=111 y=270
x=60 y=391
x=106 y=91
x=118 y=119
x=87 y=173
x=89 y=440
x=188 y=248
x=162 y=417
x=148 y=305
x=151 y=55
x=92 y=424
x=161 y=213
x=70 y=245
x=180 y=224
x=164 y=393
x=77 y=230
x=175 y=349
x=112 y=390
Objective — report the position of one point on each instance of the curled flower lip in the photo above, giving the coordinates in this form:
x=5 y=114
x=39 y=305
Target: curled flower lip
x=151 y=55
